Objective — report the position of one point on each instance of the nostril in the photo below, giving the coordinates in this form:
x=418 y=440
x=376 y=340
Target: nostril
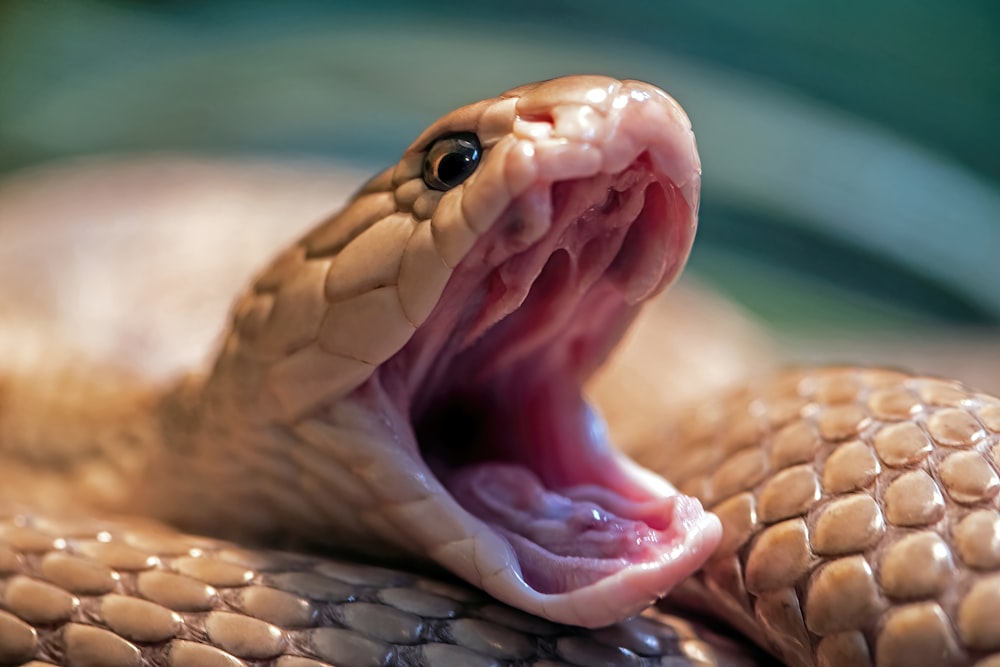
x=537 y=117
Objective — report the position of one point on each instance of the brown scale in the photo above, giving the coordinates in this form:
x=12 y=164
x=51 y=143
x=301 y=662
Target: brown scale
x=860 y=517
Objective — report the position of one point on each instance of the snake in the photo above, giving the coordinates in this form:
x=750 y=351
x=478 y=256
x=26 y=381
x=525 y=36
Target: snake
x=391 y=459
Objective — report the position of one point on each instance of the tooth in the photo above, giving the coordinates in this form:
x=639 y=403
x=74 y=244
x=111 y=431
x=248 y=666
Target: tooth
x=632 y=203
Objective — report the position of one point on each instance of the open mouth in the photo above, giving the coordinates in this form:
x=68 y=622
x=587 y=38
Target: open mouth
x=495 y=381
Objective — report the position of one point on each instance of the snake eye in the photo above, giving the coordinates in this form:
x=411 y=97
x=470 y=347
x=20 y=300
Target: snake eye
x=451 y=160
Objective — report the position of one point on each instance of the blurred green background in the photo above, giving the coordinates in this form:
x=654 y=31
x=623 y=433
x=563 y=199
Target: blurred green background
x=850 y=149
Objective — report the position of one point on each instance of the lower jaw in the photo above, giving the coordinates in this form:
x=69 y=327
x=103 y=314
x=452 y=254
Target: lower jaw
x=546 y=478
x=567 y=538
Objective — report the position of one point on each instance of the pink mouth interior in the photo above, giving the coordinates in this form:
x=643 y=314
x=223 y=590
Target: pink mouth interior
x=499 y=414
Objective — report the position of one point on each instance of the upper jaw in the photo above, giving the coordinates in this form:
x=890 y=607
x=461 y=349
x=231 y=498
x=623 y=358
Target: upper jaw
x=557 y=130
x=564 y=131
x=587 y=125
x=567 y=129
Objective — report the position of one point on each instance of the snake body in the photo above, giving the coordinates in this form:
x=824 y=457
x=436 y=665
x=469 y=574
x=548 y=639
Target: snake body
x=405 y=379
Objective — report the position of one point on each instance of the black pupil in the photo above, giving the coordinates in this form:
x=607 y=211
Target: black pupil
x=453 y=167
x=451 y=160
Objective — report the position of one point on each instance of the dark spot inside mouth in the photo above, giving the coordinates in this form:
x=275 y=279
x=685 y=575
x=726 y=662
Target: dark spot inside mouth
x=515 y=228
x=472 y=413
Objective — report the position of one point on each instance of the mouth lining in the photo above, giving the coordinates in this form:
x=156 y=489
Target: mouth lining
x=500 y=419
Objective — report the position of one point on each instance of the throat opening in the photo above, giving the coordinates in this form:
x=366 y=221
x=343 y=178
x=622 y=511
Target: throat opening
x=488 y=391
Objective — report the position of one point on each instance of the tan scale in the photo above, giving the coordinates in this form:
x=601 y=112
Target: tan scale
x=891 y=558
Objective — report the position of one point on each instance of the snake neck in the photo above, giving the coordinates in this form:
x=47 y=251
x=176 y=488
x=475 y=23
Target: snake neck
x=197 y=454
x=220 y=466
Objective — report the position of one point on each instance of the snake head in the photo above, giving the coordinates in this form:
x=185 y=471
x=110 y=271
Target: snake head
x=423 y=352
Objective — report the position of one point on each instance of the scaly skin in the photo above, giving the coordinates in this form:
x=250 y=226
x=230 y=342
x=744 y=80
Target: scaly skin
x=126 y=592
x=111 y=590
x=860 y=516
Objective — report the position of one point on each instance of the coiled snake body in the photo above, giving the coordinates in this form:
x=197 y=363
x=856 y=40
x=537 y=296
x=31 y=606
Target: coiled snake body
x=406 y=379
